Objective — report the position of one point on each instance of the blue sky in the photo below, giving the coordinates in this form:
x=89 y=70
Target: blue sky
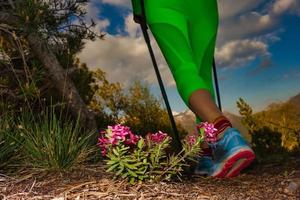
x=257 y=51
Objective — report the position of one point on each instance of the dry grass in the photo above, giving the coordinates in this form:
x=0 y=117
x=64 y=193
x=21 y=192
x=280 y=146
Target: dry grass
x=91 y=182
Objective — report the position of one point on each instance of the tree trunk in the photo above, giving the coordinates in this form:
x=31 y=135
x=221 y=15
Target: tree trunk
x=59 y=78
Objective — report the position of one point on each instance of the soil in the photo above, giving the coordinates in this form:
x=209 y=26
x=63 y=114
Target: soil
x=279 y=180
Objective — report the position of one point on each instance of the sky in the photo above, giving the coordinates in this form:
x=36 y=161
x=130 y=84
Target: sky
x=257 y=51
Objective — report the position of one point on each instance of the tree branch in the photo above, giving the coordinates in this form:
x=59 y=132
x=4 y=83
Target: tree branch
x=57 y=74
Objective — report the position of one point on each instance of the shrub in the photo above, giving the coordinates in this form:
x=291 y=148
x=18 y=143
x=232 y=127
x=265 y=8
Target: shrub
x=138 y=159
x=53 y=144
x=10 y=141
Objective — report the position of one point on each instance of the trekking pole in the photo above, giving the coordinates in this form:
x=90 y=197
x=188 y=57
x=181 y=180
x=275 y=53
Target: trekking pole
x=177 y=142
x=216 y=84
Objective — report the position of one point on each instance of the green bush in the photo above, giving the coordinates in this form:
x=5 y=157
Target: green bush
x=140 y=159
x=53 y=144
x=10 y=141
x=267 y=143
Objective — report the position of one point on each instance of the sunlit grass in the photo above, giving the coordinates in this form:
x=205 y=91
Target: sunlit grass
x=51 y=143
x=10 y=141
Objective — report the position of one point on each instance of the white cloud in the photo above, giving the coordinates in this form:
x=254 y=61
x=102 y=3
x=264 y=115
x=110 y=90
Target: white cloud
x=281 y=6
x=232 y=8
x=133 y=29
x=240 y=21
x=93 y=12
x=238 y=52
x=126 y=58
x=245 y=33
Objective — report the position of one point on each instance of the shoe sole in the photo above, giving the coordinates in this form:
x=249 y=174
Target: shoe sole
x=236 y=162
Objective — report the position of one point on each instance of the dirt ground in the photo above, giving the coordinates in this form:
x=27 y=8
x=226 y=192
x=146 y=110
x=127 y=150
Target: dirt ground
x=268 y=181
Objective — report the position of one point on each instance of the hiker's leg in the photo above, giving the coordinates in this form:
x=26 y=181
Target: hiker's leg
x=171 y=22
x=203 y=26
x=168 y=23
x=231 y=153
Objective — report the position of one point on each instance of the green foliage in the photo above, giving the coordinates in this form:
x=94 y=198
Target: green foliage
x=56 y=19
x=275 y=131
x=22 y=76
x=10 y=141
x=284 y=118
x=108 y=96
x=266 y=143
x=176 y=164
x=132 y=166
x=50 y=143
x=148 y=160
x=144 y=113
x=64 y=28
x=31 y=12
x=246 y=111
x=136 y=108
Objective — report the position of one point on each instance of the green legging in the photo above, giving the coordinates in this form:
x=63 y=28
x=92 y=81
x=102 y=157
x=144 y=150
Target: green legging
x=185 y=31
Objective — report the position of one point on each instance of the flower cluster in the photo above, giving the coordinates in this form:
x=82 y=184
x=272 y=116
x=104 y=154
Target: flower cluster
x=157 y=137
x=119 y=133
x=210 y=132
x=114 y=134
x=138 y=159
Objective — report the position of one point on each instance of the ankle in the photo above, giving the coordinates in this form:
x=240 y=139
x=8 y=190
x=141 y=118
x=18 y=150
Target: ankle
x=221 y=123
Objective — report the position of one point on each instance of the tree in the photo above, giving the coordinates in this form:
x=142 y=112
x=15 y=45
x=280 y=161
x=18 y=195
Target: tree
x=246 y=111
x=108 y=96
x=274 y=130
x=144 y=112
x=51 y=30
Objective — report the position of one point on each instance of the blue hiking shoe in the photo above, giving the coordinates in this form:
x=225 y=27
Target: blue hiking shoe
x=204 y=166
x=231 y=154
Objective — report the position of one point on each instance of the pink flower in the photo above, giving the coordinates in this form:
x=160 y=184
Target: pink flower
x=114 y=134
x=103 y=151
x=191 y=139
x=120 y=132
x=210 y=132
x=158 y=137
x=132 y=140
x=103 y=142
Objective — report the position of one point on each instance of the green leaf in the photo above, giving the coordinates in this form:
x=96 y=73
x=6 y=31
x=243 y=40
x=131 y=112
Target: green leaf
x=127 y=160
x=115 y=152
x=132 y=181
x=111 y=162
x=140 y=143
x=202 y=131
x=132 y=173
x=112 y=167
x=123 y=148
x=130 y=166
x=119 y=171
x=125 y=175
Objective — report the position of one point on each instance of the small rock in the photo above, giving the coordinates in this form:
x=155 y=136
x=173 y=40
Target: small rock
x=293 y=187
x=2 y=179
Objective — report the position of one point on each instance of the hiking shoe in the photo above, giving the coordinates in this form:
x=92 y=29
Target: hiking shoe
x=204 y=165
x=231 y=154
